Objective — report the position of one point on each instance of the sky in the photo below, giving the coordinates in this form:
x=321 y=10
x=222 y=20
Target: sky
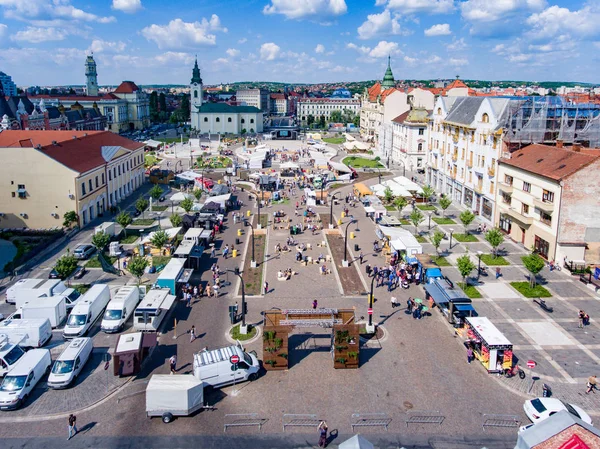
x=45 y=42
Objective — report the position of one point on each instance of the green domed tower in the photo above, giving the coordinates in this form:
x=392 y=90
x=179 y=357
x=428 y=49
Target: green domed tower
x=388 y=78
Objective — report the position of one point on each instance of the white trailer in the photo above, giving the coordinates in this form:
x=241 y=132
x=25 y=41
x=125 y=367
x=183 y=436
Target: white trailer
x=108 y=227
x=169 y=396
x=53 y=308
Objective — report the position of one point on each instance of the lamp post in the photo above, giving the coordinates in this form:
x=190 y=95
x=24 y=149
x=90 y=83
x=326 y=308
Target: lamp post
x=243 y=328
x=345 y=261
x=370 y=327
x=479 y=253
x=451 y=232
x=331 y=225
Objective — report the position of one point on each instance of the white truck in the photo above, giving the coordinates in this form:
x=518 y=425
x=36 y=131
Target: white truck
x=120 y=308
x=215 y=368
x=44 y=288
x=108 y=227
x=32 y=333
x=53 y=308
x=87 y=310
x=169 y=396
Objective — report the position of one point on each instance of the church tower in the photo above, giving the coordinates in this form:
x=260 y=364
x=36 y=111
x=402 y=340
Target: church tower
x=388 y=78
x=92 y=76
x=195 y=96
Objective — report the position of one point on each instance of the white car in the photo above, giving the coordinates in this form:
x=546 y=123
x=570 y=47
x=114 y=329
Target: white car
x=539 y=409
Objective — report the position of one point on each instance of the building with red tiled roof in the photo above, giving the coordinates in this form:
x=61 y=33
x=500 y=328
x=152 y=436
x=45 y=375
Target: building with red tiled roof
x=49 y=173
x=547 y=198
x=126 y=87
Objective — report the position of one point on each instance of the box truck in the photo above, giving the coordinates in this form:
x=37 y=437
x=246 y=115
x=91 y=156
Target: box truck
x=21 y=284
x=88 y=309
x=33 y=333
x=108 y=227
x=44 y=289
x=214 y=367
x=120 y=308
x=22 y=379
x=53 y=308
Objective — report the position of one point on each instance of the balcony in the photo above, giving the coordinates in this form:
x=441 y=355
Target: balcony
x=507 y=188
x=478 y=188
x=492 y=171
x=544 y=205
x=518 y=215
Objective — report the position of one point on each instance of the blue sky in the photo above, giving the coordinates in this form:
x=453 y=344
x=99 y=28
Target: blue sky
x=44 y=42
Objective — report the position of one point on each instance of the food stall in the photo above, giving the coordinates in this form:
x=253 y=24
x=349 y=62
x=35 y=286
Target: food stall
x=490 y=346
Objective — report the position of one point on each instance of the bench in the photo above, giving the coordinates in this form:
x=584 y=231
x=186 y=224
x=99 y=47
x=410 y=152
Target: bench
x=243 y=420
x=300 y=420
x=370 y=420
x=502 y=421
x=424 y=417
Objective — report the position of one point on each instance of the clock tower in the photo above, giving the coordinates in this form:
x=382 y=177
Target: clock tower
x=91 y=76
x=196 y=94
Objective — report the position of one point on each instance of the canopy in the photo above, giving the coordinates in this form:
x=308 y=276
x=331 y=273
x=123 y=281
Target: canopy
x=340 y=167
x=356 y=145
x=397 y=189
x=403 y=238
x=171 y=232
x=398 y=245
x=188 y=175
x=362 y=189
x=153 y=143
x=356 y=442
x=408 y=184
x=289 y=165
x=484 y=328
x=180 y=196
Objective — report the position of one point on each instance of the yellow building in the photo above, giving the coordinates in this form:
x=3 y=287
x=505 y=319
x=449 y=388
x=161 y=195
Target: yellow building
x=45 y=174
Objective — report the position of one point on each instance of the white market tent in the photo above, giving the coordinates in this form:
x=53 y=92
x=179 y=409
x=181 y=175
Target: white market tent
x=171 y=232
x=289 y=166
x=340 y=167
x=356 y=442
x=153 y=143
x=402 y=240
x=180 y=196
x=356 y=145
x=397 y=189
x=488 y=331
x=408 y=184
x=319 y=158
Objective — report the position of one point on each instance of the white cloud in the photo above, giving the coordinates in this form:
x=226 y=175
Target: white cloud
x=519 y=57
x=379 y=25
x=320 y=48
x=410 y=61
x=37 y=35
x=295 y=9
x=242 y=40
x=419 y=6
x=43 y=9
x=127 y=6
x=490 y=11
x=100 y=46
x=556 y=20
x=232 y=52
x=433 y=59
x=457 y=62
x=441 y=29
x=456 y=44
x=382 y=50
x=269 y=51
x=3 y=29
x=172 y=57
x=500 y=49
x=178 y=34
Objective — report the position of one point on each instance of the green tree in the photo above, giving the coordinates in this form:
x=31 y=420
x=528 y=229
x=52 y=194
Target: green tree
x=154 y=106
x=141 y=205
x=197 y=194
x=65 y=265
x=243 y=131
x=185 y=106
x=159 y=239
x=465 y=266
x=156 y=192
x=400 y=202
x=70 y=217
x=534 y=264
x=176 y=220
x=187 y=204
x=466 y=218
x=416 y=217
x=428 y=192
x=388 y=195
x=137 y=266
x=335 y=116
x=356 y=120
x=322 y=121
x=445 y=203
x=310 y=119
x=162 y=102
x=100 y=240
x=124 y=219
x=436 y=240
x=495 y=238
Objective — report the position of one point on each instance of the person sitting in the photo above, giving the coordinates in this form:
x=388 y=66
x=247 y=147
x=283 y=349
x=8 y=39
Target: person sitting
x=321 y=256
x=298 y=256
x=323 y=269
x=285 y=249
x=280 y=274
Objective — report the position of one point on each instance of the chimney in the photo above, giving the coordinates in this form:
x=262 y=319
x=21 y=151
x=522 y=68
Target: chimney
x=577 y=147
x=559 y=143
x=54 y=142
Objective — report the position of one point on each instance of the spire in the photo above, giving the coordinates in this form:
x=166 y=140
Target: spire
x=196 y=74
x=388 y=78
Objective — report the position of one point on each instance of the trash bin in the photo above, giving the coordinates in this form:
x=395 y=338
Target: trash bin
x=234 y=253
x=248 y=213
x=239 y=233
x=237 y=241
x=356 y=247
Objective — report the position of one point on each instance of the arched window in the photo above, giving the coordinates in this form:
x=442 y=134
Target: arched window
x=439 y=111
x=228 y=119
x=485 y=118
x=218 y=120
x=251 y=130
x=420 y=147
x=243 y=121
x=251 y=120
x=195 y=94
x=206 y=119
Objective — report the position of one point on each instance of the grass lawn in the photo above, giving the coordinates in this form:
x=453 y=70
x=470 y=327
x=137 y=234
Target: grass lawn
x=469 y=290
x=536 y=292
x=264 y=220
x=283 y=201
x=81 y=288
x=391 y=208
x=95 y=263
x=159 y=208
x=421 y=239
x=150 y=160
x=335 y=140
x=143 y=222
x=405 y=222
x=360 y=162
x=440 y=261
x=129 y=239
x=443 y=221
x=465 y=238
x=234 y=333
x=426 y=207
x=160 y=260
x=489 y=259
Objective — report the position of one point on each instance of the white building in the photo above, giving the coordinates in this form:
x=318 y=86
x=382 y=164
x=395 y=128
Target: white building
x=409 y=139
x=258 y=98
x=279 y=104
x=325 y=106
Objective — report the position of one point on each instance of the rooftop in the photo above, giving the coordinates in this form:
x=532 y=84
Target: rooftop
x=207 y=108
x=126 y=87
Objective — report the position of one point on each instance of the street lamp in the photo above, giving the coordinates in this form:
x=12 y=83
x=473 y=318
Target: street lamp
x=479 y=253
x=345 y=261
x=451 y=232
x=331 y=209
x=370 y=327
x=243 y=328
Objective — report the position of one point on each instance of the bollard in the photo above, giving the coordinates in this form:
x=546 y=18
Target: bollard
x=234 y=253
x=340 y=222
x=343 y=214
x=239 y=232
x=351 y=235
x=248 y=213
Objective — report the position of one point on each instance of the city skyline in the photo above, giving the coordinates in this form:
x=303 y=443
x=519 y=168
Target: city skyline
x=45 y=42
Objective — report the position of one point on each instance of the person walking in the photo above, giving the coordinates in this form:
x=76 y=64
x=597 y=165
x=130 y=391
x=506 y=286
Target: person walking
x=216 y=290
x=188 y=297
x=498 y=272
x=225 y=251
x=322 y=434
x=212 y=252
x=361 y=256
x=469 y=355
x=195 y=292
x=592 y=384
x=208 y=290
x=394 y=302
x=266 y=287
x=581 y=318
x=315 y=304
x=192 y=333
x=173 y=363
x=72 y=426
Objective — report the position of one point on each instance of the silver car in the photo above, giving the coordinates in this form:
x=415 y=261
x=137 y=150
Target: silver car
x=83 y=252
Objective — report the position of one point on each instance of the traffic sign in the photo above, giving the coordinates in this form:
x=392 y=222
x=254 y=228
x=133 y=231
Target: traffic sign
x=370 y=311
x=531 y=364
x=234 y=359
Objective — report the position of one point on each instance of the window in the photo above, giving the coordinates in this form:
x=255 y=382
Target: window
x=102 y=178
x=91 y=185
x=545 y=218
x=96 y=182
x=483 y=161
x=205 y=119
x=195 y=94
x=526 y=187
x=541 y=246
x=251 y=120
x=420 y=147
x=244 y=121
x=506 y=198
x=109 y=175
x=508 y=180
x=217 y=119
x=21 y=191
x=83 y=188
x=485 y=118
x=492 y=187
x=114 y=172
x=524 y=209
x=548 y=196
x=439 y=111
x=228 y=119
x=13 y=194
x=421 y=131
x=505 y=223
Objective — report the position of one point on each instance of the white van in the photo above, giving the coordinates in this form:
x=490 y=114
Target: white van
x=69 y=364
x=31 y=333
x=120 y=308
x=21 y=284
x=9 y=355
x=214 y=367
x=21 y=380
x=45 y=289
x=88 y=309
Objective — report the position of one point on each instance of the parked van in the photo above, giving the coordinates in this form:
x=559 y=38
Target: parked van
x=88 y=309
x=32 y=333
x=9 y=355
x=21 y=284
x=120 y=308
x=69 y=364
x=214 y=367
x=22 y=379
x=45 y=289
x=152 y=310
x=53 y=308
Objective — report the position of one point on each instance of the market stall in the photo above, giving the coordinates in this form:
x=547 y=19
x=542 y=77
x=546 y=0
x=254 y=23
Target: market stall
x=490 y=346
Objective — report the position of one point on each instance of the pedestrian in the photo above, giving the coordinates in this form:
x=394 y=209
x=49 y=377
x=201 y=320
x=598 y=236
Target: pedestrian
x=409 y=305
x=469 y=355
x=212 y=252
x=581 y=318
x=592 y=384
x=225 y=251
x=394 y=302
x=498 y=272
x=216 y=290
x=266 y=287
x=315 y=304
x=188 y=298
x=322 y=434
x=208 y=290
x=192 y=333
x=72 y=426
x=195 y=292
x=586 y=319
x=173 y=363
x=361 y=256
x=368 y=270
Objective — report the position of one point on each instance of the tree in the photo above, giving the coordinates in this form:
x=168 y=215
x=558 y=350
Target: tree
x=197 y=194
x=70 y=218
x=400 y=202
x=156 y=192
x=322 y=121
x=65 y=265
x=445 y=203
x=335 y=116
x=310 y=119
x=185 y=106
x=436 y=240
x=176 y=220
x=141 y=204
x=495 y=238
x=356 y=120
x=466 y=217
x=243 y=131
x=465 y=266
x=154 y=106
x=124 y=219
x=388 y=195
x=159 y=239
x=137 y=266
x=187 y=205
x=534 y=264
x=416 y=217
x=428 y=192
x=162 y=102
x=100 y=240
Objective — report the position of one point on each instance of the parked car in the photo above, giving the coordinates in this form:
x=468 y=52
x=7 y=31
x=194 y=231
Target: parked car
x=54 y=274
x=79 y=272
x=83 y=252
x=539 y=409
